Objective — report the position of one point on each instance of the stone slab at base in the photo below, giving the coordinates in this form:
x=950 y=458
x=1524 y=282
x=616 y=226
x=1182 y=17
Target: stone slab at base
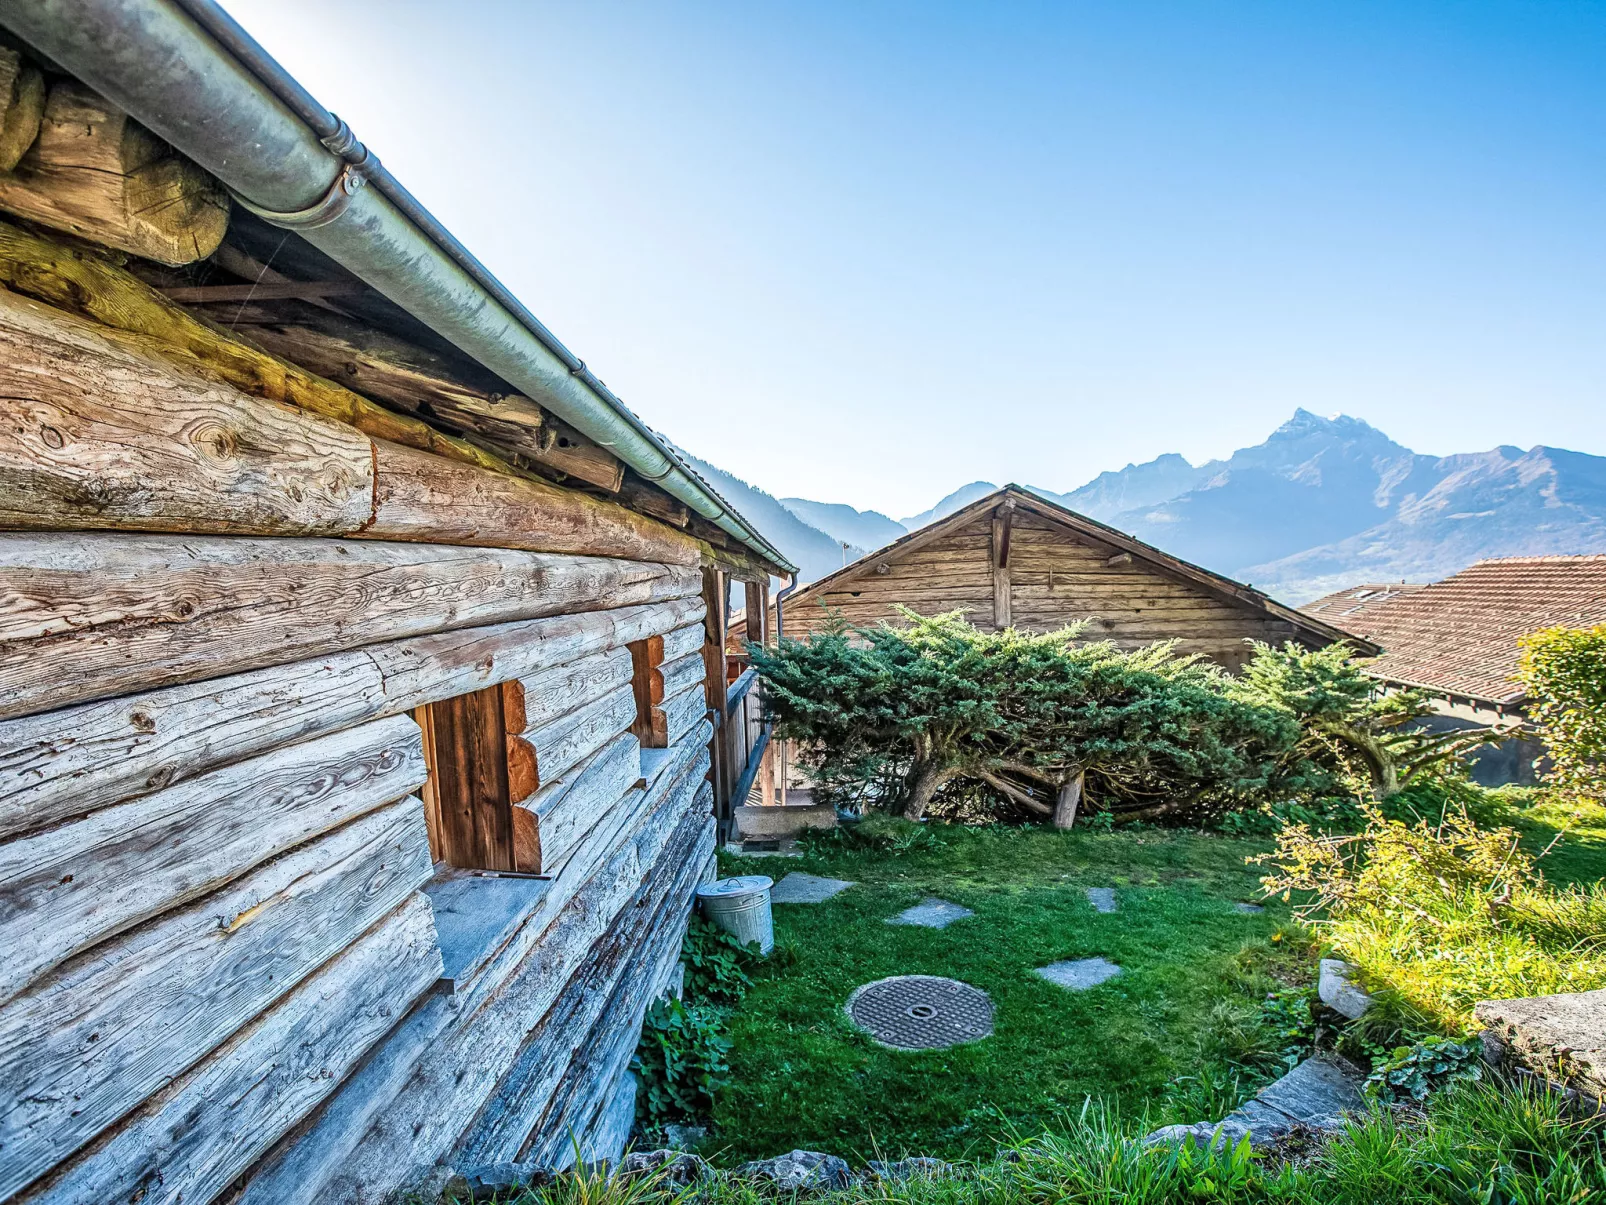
x=799 y=888
x=778 y=823
x=1079 y=974
x=931 y=913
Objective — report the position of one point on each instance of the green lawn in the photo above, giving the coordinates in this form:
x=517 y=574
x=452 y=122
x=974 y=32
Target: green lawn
x=1195 y=970
x=1179 y=1033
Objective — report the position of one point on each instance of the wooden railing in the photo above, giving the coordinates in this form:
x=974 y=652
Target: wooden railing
x=741 y=741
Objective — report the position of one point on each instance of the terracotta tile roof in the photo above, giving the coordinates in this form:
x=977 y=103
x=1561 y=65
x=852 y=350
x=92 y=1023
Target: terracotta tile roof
x=1344 y=608
x=1459 y=636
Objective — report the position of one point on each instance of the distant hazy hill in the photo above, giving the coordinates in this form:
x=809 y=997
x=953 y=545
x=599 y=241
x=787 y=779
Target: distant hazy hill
x=958 y=500
x=813 y=551
x=1324 y=502
x=866 y=529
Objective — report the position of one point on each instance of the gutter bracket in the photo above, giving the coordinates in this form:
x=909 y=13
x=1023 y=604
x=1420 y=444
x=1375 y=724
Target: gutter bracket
x=321 y=213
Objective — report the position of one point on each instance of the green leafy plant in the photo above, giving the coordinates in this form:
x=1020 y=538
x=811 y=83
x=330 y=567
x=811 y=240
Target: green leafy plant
x=1416 y=1072
x=1564 y=671
x=682 y=1062
x=716 y=963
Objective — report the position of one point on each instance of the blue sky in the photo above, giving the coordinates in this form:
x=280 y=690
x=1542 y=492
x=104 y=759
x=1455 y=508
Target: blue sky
x=867 y=252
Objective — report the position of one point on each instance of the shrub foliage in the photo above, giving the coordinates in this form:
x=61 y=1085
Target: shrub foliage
x=1564 y=670
x=892 y=715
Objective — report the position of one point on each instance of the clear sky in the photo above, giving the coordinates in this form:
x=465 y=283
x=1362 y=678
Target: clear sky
x=869 y=251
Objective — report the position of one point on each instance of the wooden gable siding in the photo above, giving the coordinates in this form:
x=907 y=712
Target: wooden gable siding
x=949 y=573
x=1055 y=576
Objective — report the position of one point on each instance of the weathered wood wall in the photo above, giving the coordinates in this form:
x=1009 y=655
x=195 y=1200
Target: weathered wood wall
x=218 y=616
x=1054 y=577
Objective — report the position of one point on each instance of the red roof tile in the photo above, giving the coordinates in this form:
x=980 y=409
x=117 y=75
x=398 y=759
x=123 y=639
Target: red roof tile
x=1459 y=636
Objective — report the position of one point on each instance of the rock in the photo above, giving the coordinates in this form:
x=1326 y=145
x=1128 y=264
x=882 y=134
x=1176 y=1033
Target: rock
x=799 y=1171
x=683 y=1138
x=1080 y=974
x=916 y=1167
x=1316 y=1095
x=1249 y=908
x=799 y=888
x=931 y=913
x=1560 y=1038
x=1102 y=898
x=491 y=1180
x=1339 y=992
x=677 y=1169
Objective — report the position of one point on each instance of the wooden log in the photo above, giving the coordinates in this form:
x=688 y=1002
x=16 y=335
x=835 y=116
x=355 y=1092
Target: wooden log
x=552 y=750
x=89 y=614
x=188 y=1142
x=1069 y=797
x=683 y=713
x=417 y=1093
x=68 y=887
x=548 y=696
x=566 y=810
x=582 y=1090
x=95 y=172
x=683 y=641
x=649 y=499
x=620 y=962
x=96 y=1038
x=87 y=284
x=447 y=389
x=95 y=435
x=430 y=499
x=22 y=105
x=68 y=762
x=681 y=674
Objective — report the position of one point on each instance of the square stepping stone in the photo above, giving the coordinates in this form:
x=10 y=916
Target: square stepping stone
x=1102 y=898
x=931 y=913
x=1242 y=907
x=800 y=888
x=1079 y=974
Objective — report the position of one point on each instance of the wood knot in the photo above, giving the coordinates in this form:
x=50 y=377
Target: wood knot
x=213 y=440
x=142 y=720
x=52 y=438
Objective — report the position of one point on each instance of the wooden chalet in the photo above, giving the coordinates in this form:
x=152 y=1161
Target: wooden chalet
x=1017 y=559
x=363 y=716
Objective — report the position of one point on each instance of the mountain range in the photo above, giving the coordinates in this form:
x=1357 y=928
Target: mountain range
x=1321 y=504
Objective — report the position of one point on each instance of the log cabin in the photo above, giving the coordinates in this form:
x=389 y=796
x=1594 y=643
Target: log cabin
x=1017 y=559
x=363 y=715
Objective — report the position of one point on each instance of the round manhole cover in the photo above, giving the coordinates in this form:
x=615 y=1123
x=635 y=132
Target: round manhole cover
x=921 y=1012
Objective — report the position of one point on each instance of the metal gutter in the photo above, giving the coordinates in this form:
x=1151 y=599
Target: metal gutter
x=187 y=71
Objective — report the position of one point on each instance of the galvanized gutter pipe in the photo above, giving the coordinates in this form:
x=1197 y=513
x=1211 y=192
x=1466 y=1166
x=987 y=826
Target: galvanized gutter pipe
x=187 y=71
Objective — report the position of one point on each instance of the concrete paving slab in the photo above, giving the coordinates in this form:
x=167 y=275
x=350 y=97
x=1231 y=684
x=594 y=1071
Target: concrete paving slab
x=1079 y=974
x=1102 y=898
x=800 y=888
x=931 y=913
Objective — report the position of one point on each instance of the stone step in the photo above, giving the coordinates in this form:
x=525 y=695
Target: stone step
x=1561 y=1039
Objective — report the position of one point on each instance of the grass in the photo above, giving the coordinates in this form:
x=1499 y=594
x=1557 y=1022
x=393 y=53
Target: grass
x=1439 y=917
x=1476 y=1145
x=1185 y=1009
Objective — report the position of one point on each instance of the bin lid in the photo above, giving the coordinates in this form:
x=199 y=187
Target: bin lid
x=746 y=884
